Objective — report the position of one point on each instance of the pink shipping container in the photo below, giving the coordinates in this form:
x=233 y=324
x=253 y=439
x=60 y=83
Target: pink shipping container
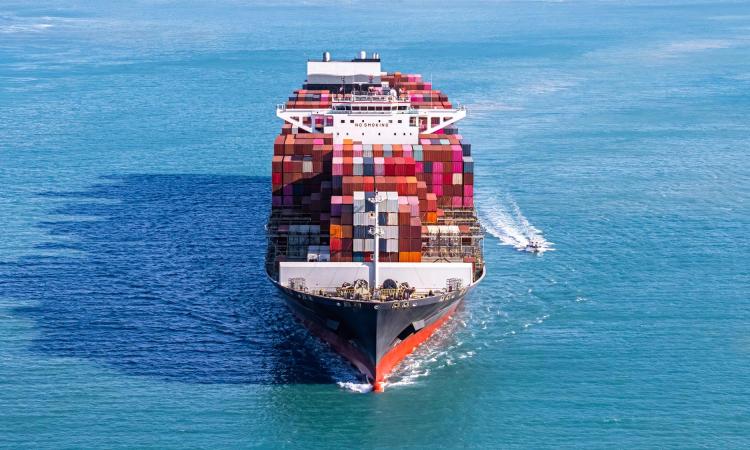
x=337 y=166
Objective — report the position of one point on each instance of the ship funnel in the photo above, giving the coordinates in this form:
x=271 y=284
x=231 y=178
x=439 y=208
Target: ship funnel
x=376 y=56
x=326 y=56
x=363 y=55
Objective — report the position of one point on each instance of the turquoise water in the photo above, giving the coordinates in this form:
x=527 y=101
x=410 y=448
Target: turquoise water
x=135 y=142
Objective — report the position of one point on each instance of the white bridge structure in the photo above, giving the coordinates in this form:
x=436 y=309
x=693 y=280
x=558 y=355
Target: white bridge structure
x=382 y=118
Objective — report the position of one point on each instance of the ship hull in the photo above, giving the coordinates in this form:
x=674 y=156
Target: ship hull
x=374 y=336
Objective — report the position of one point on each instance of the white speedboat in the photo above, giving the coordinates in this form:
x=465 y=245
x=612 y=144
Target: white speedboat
x=534 y=246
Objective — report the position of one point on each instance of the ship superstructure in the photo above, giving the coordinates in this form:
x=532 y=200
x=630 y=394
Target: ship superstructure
x=373 y=236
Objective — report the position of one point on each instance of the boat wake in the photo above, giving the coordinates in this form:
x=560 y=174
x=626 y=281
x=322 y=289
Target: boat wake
x=442 y=349
x=505 y=221
x=359 y=388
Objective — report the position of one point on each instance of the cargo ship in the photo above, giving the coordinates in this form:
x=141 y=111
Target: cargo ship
x=373 y=237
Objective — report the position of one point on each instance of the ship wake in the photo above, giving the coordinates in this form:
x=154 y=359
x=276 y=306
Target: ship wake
x=503 y=219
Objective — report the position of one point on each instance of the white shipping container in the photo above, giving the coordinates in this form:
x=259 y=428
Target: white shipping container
x=359 y=202
x=392 y=202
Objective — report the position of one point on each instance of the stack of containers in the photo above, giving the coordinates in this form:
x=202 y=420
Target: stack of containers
x=299 y=187
x=329 y=184
x=310 y=99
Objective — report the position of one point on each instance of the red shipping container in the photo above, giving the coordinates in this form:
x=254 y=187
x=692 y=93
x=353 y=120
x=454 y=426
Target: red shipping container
x=369 y=184
x=400 y=166
x=402 y=187
x=390 y=167
x=409 y=168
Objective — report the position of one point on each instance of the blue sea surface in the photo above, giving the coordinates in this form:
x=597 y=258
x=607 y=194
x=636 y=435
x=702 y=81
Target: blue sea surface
x=135 y=146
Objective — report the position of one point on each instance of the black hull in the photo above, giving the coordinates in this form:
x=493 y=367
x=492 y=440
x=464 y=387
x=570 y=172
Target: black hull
x=373 y=336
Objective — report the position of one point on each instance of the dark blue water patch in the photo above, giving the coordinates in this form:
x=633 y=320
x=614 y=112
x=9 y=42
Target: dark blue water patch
x=166 y=280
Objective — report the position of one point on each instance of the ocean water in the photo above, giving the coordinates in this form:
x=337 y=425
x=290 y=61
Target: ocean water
x=135 y=144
